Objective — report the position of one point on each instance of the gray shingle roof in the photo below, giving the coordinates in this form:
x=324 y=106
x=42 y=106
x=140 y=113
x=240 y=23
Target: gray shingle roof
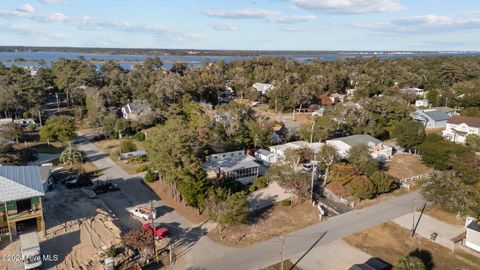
x=436 y=115
x=20 y=182
x=358 y=139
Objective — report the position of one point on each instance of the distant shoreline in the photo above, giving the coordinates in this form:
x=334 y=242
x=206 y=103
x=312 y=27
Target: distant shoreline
x=196 y=52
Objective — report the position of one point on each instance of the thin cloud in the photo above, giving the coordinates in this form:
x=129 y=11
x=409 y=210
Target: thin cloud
x=349 y=6
x=267 y=15
x=423 y=25
x=224 y=26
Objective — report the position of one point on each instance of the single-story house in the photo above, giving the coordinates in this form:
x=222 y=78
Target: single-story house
x=276 y=152
x=134 y=154
x=231 y=166
x=422 y=103
x=135 y=109
x=22 y=189
x=459 y=127
x=472 y=238
x=263 y=87
x=413 y=90
x=431 y=118
x=378 y=150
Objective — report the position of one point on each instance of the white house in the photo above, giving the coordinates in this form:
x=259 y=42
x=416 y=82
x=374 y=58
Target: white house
x=459 y=127
x=231 y=166
x=377 y=148
x=431 y=118
x=422 y=103
x=472 y=238
x=133 y=110
x=413 y=90
x=263 y=87
x=24 y=122
x=276 y=152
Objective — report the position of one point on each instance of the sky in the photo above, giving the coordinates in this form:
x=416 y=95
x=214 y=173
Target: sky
x=407 y=25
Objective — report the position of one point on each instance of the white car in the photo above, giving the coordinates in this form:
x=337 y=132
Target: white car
x=143 y=212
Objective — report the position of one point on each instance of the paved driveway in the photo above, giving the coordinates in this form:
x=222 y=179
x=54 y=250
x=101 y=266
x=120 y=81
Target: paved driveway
x=302 y=242
x=132 y=192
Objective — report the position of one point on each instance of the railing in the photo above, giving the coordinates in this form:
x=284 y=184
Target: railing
x=22 y=214
x=4 y=231
x=407 y=182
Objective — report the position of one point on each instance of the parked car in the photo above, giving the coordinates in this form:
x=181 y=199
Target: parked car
x=143 y=212
x=158 y=230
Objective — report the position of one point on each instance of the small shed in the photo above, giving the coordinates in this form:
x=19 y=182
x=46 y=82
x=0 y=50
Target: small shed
x=134 y=154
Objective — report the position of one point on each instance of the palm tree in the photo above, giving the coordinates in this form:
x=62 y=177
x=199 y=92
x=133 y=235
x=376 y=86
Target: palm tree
x=71 y=155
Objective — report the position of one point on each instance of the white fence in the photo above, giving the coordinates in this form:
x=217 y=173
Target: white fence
x=407 y=182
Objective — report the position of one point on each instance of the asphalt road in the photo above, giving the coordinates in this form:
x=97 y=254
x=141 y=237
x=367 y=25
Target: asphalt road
x=299 y=243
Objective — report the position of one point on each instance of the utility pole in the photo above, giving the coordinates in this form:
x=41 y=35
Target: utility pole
x=313 y=127
x=283 y=252
x=413 y=213
x=40 y=117
x=314 y=169
x=153 y=232
x=58 y=104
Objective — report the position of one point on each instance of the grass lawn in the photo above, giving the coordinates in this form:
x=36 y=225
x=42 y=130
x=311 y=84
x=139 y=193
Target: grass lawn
x=404 y=165
x=391 y=242
x=437 y=212
x=48 y=149
x=267 y=224
x=112 y=148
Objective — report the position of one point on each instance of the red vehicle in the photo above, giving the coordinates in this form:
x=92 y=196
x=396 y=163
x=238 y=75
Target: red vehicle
x=158 y=231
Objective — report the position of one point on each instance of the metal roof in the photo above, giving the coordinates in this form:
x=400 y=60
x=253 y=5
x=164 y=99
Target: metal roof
x=436 y=115
x=20 y=182
x=264 y=152
x=237 y=163
x=358 y=139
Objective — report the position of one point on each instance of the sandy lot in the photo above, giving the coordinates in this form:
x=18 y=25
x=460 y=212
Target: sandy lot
x=78 y=229
x=405 y=165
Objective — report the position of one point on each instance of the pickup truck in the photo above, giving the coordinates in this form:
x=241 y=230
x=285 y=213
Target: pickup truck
x=143 y=212
x=31 y=255
x=158 y=230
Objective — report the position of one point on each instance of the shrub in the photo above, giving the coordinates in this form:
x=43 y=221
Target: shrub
x=142 y=168
x=151 y=176
x=127 y=146
x=286 y=202
x=361 y=188
x=139 y=136
x=382 y=181
x=112 y=252
x=258 y=183
x=410 y=263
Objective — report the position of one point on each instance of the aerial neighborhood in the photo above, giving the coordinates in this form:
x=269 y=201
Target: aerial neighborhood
x=152 y=167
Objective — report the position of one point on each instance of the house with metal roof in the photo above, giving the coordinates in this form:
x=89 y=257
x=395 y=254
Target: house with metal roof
x=22 y=189
x=377 y=149
x=431 y=118
x=275 y=152
x=231 y=166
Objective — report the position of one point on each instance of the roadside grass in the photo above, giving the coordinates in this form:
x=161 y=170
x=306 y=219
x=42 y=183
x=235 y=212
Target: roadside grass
x=112 y=149
x=286 y=265
x=383 y=197
x=48 y=149
x=469 y=257
x=403 y=165
x=390 y=242
x=266 y=224
x=439 y=213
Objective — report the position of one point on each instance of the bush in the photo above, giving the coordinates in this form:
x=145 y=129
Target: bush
x=139 y=136
x=151 y=176
x=410 y=263
x=361 y=188
x=258 y=183
x=286 y=202
x=383 y=182
x=112 y=252
x=142 y=168
x=127 y=146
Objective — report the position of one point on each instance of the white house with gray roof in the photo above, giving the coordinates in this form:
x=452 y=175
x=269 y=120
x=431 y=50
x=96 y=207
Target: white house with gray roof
x=135 y=109
x=377 y=149
x=268 y=157
x=231 y=166
x=431 y=118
